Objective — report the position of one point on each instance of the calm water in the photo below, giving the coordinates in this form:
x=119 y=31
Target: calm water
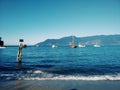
x=59 y=63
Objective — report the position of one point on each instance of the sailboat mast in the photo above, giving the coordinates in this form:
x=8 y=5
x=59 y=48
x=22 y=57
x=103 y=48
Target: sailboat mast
x=72 y=43
x=72 y=39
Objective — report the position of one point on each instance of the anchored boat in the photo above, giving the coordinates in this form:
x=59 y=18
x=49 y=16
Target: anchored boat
x=81 y=45
x=72 y=45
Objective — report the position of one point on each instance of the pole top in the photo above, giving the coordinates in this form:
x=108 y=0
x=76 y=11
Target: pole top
x=21 y=40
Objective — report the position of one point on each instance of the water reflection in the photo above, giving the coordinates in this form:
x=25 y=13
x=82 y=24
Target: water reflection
x=19 y=85
x=19 y=66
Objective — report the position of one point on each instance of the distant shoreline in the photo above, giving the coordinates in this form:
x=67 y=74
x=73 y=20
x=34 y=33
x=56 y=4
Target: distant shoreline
x=102 y=40
x=50 y=45
x=17 y=45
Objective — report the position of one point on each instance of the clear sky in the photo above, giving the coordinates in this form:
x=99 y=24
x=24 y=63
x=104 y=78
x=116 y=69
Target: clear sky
x=38 y=20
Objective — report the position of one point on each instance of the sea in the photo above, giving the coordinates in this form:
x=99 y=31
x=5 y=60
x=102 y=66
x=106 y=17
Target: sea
x=61 y=63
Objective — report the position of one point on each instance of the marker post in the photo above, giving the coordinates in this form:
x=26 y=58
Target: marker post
x=19 y=55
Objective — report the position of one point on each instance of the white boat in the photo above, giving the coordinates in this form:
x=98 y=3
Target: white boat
x=54 y=46
x=81 y=45
x=37 y=45
x=96 y=45
x=2 y=47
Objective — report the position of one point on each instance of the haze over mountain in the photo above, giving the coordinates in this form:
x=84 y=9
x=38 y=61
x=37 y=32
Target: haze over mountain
x=89 y=40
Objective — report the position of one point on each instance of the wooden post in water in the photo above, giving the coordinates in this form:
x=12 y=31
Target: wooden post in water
x=19 y=55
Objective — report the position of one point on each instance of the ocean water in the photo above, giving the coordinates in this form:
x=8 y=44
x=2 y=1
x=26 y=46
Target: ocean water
x=61 y=63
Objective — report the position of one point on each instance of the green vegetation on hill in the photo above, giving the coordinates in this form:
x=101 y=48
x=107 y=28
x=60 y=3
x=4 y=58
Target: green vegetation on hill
x=90 y=40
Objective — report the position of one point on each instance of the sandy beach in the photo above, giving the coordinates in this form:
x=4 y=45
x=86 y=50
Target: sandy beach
x=59 y=85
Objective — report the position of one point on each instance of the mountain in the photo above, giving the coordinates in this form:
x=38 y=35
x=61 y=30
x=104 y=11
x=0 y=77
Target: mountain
x=90 y=40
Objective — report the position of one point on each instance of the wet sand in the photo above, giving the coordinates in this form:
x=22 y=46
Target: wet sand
x=59 y=85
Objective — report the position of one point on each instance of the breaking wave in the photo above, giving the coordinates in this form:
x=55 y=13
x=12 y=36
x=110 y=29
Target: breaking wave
x=41 y=75
x=61 y=77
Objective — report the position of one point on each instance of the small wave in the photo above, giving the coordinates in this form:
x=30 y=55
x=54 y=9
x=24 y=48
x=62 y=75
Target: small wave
x=35 y=72
x=38 y=72
x=44 y=75
x=2 y=75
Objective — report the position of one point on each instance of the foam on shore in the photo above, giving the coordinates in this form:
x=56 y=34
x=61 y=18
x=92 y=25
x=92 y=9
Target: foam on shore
x=93 y=78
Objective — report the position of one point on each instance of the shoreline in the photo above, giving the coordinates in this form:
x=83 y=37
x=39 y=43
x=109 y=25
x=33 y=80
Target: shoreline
x=59 y=85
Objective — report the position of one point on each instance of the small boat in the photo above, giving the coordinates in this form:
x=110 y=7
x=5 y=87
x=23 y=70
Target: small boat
x=54 y=46
x=72 y=45
x=37 y=45
x=96 y=45
x=2 y=47
x=81 y=45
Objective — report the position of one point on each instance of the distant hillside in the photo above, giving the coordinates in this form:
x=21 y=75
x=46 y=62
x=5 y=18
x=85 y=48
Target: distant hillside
x=90 y=40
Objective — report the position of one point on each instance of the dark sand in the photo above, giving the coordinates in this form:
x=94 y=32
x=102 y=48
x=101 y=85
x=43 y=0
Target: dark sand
x=59 y=85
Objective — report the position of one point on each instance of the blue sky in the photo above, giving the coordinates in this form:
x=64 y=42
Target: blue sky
x=38 y=20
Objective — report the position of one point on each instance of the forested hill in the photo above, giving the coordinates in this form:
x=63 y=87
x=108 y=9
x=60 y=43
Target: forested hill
x=90 y=40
